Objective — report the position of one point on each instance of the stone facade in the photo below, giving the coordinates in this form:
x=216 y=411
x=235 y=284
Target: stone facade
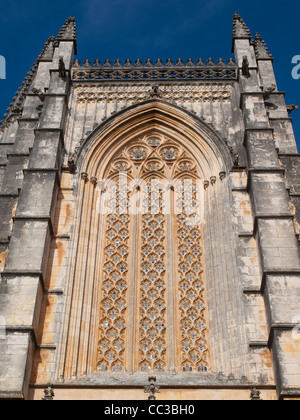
x=72 y=128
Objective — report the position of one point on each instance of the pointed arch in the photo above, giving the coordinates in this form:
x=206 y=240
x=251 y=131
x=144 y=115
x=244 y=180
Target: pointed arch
x=154 y=131
x=201 y=139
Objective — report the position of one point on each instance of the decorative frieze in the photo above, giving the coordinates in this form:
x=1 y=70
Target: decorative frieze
x=129 y=93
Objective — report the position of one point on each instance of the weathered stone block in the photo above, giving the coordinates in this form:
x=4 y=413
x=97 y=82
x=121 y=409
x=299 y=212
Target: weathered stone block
x=255 y=112
x=284 y=135
x=13 y=361
x=283 y=295
x=286 y=352
x=52 y=116
x=270 y=197
x=261 y=149
x=256 y=318
x=38 y=196
x=47 y=150
x=266 y=73
x=29 y=246
x=20 y=300
x=291 y=163
x=7 y=211
x=279 y=246
x=13 y=176
x=25 y=137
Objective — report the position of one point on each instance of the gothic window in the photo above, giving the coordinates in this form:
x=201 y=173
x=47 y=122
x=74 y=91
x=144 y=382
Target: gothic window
x=153 y=298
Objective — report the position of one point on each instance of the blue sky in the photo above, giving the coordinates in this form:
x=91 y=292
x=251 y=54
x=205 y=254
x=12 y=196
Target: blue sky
x=148 y=29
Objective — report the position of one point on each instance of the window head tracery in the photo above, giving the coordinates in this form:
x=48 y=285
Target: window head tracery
x=153 y=153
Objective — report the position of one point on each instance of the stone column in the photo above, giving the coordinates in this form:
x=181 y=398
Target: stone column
x=273 y=221
x=22 y=283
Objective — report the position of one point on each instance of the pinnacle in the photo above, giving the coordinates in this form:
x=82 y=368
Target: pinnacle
x=68 y=30
x=47 y=52
x=240 y=29
x=261 y=49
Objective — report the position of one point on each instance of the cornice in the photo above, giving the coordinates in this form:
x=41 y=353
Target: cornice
x=149 y=71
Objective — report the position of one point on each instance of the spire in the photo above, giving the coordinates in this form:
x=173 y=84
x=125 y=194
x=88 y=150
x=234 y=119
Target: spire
x=240 y=29
x=15 y=109
x=47 y=52
x=261 y=49
x=68 y=32
x=16 y=106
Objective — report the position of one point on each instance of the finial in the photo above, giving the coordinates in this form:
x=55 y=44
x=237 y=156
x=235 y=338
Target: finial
x=261 y=49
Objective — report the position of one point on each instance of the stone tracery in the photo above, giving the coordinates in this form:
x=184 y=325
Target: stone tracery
x=160 y=165
x=192 y=305
x=112 y=327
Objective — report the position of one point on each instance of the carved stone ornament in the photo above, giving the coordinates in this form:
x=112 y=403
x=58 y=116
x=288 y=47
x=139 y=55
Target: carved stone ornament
x=268 y=91
x=152 y=389
x=39 y=93
x=154 y=141
x=131 y=93
x=169 y=153
x=49 y=393
x=255 y=395
x=291 y=108
x=245 y=67
x=155 y=92
x=62 y=68
x=138 y=153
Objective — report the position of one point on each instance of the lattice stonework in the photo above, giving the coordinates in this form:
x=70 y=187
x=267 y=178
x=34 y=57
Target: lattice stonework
x=153 y=303
x=192 y=306
x=152 y=328
x=113 y=323
x=129 y=94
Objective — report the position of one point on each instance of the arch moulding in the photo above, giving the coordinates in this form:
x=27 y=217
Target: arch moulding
x=78 y=346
